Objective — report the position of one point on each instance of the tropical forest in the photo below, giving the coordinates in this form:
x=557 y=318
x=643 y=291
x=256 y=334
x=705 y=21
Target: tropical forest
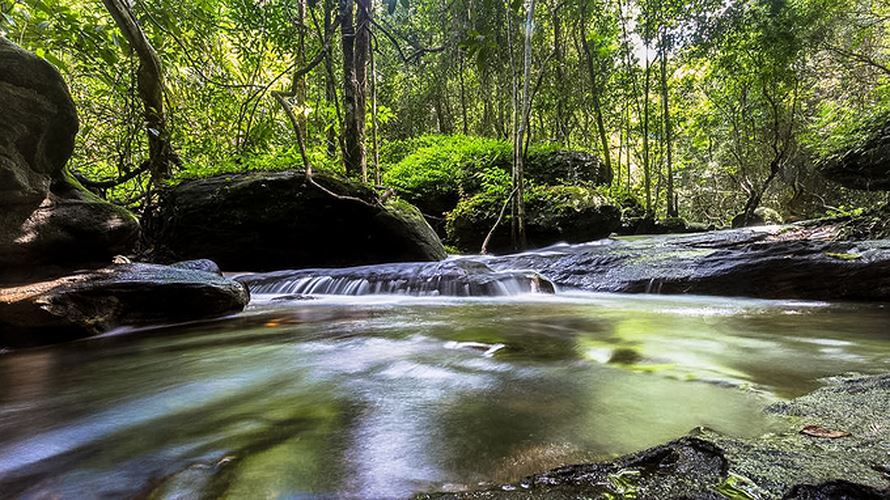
x=445 y=249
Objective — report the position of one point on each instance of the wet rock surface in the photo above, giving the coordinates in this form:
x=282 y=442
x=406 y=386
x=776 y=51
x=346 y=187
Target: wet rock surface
x=92 y=302
x=708 y=465
x=787 y=262
x=265 y=221
x=456 y=278
x=45 y=216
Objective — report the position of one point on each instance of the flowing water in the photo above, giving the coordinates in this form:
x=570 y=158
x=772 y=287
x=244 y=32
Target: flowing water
x=387 y=396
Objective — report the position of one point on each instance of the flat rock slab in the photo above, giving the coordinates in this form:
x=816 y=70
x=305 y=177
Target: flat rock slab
x=708 y=465
x=91 y=302
x=777 y=262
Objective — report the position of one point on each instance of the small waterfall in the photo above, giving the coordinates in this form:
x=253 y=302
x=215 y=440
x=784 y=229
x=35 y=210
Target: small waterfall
x=456 y=278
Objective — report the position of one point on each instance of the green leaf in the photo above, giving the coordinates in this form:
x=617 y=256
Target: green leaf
x=56 y=61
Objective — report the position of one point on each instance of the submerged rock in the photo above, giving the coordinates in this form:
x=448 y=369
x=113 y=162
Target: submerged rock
x=710 y=465
x=457 y=278
x=92 y=302
x=279 y=220
x=45 y=216
x=787 y=262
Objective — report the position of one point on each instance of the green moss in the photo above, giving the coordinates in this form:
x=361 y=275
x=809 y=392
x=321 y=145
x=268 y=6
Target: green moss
x=436 y=172
x=843 y=256
x=624 y=483
x=405 y=210
x=275 y=160
x=736 y=487
x=442 y=169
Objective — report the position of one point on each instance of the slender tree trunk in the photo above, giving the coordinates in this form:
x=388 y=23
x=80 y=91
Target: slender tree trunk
x=150 y=83
x=353 y=104
x=351 y=146
x=363 y=13
x=299 y=84
x=647 y=174
x=519 y=164
x=561 y=122
x=330 y=89
x=463 y=92
x=374 y=122
x=627 y=133
x=595 y=90
x=671 y=200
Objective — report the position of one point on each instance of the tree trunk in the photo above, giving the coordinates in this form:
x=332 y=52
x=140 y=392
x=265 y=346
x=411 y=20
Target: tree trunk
x=561 y=122
x=671 y=200
x=330 y=89
x=362 y=51
x=150 y=83
x=463 y=92
x=647 y=175
x=353 y=104
x=595 y=90
x=375 y=124
x=519 y=146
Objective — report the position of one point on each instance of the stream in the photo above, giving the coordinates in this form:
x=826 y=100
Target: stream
x=391 y=395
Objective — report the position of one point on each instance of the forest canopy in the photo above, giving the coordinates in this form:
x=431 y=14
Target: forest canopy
x=701 y=109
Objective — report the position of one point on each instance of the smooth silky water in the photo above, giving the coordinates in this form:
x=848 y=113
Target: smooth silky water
x=383 y=396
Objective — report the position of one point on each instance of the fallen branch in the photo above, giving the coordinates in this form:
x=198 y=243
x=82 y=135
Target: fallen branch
x=283 y=96
x=107 y=184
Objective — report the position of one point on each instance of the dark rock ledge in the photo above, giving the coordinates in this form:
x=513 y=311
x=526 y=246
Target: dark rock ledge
x=91 y=302
x=708 y=465
x=803 y=261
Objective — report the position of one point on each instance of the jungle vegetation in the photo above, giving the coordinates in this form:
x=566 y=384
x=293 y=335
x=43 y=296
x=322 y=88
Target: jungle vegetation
x=702 y=109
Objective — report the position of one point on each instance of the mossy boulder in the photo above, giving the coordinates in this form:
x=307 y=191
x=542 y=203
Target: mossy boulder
x=264 y=221
x=669 y=225
x=440 y=171
x=570 y=214
x=763 y=216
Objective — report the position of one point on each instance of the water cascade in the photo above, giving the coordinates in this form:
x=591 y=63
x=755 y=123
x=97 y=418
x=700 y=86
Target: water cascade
x=456 y=278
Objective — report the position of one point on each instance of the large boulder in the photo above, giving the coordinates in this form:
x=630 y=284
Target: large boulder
x=263 y=221
x=45 y=216
x=762 y=216
x=864 y=165
x=554 y=214
x=91 y=302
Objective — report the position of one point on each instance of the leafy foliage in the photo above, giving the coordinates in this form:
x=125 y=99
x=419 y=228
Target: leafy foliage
x=755 y=92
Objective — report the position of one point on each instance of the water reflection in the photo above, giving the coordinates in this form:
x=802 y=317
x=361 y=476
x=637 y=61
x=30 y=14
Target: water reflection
x=391 y=396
